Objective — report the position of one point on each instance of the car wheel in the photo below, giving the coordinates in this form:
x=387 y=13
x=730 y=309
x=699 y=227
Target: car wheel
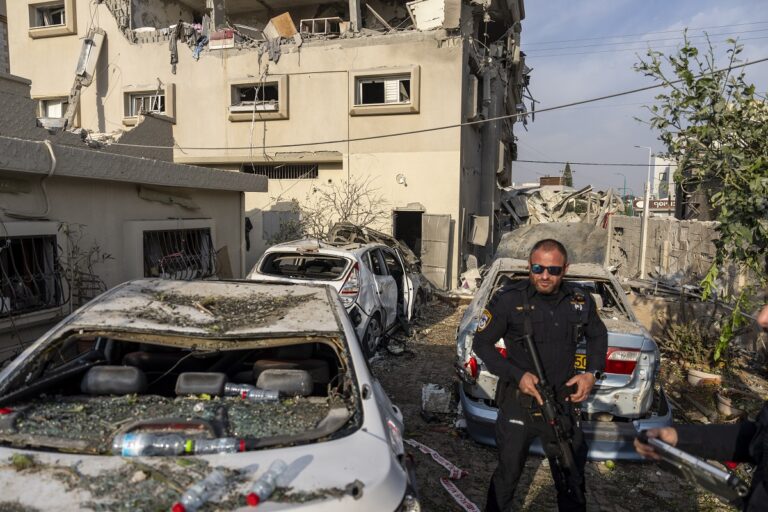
x=372 y=337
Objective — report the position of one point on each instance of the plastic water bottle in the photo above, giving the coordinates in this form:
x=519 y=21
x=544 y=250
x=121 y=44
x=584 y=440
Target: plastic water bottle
x=265 y=485
x=139 y=445
x=199 y=493
x=219 y=445
x=249 y=392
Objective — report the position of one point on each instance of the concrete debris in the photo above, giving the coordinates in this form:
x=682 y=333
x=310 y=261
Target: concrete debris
x=280 y=27
x=427 y=14
x=586 y=243
x=470 y=279
x=379 y=18
x=552 y=203
x=435 y=399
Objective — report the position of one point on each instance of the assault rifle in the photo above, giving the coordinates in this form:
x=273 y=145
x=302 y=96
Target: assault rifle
x=715 y=480
x=562 y=429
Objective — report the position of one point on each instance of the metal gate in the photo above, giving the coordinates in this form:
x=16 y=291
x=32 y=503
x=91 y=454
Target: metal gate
x=435 y=248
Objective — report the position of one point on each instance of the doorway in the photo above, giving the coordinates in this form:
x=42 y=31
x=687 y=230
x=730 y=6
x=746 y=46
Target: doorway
x=406 y=227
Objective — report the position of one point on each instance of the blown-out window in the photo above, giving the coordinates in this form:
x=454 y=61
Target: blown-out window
x=179 y=254
x=260 y=100
x=30 y=274
x=385 y=91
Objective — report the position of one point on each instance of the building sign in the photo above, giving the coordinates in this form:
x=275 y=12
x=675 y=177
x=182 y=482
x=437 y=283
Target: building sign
x=657 y=205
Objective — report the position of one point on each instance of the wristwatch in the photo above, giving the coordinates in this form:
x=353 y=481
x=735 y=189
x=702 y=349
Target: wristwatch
x=597 y=374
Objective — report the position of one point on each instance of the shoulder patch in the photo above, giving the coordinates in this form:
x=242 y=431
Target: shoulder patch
x=485 y=319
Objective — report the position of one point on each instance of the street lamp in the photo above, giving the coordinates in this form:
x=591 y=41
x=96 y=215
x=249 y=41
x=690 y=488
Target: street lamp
x=623 y=191
x=646 y=212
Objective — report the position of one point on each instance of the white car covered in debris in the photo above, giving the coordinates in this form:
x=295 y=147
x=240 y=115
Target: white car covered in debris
x=156 y=385
x=625 y=400
x=378 y=288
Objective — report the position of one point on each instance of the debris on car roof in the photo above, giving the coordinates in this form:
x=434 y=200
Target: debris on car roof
x=346 y=233
x=208 y=308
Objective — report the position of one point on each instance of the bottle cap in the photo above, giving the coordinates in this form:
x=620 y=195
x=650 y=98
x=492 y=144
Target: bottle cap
x=178 y=507
x=253 y=499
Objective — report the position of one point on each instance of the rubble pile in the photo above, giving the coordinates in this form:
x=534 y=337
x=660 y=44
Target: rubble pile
x=563 y=204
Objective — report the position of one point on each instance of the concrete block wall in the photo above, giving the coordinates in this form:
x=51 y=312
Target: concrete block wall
x=677 y=248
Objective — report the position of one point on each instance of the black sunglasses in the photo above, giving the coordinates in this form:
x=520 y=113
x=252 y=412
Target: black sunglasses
x=552 y=269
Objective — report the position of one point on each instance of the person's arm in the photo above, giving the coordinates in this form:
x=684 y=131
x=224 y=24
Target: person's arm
x=597 y=348
x=597 y=339
x=716 y=442
x=492 y=327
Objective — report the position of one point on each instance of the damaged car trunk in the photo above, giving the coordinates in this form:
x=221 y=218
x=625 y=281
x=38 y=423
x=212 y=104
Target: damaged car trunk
x=236 y=374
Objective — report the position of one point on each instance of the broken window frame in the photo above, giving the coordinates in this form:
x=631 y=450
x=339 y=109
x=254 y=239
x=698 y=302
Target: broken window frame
x=44 y=104
x=161 y=99
x=52 y=18
x=395 y=90
x=133 y=255
x=179 y=253
x=258 y=111
x=266 y=97
x=144 y=103
x=31 y=274
x=358 y=79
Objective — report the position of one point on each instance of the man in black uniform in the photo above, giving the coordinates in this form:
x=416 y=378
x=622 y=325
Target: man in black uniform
x=559 y=314
x=746 y=441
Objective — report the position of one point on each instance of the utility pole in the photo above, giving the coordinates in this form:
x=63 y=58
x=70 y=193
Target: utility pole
x=646 y=213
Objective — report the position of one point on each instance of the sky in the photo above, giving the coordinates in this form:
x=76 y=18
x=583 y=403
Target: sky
x=587 y=48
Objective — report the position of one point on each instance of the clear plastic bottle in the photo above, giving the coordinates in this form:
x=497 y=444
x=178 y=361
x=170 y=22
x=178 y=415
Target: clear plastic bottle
x=219 y=445
x=141 y=445
x=196 y=495
x=249 y=392
x=265 y=485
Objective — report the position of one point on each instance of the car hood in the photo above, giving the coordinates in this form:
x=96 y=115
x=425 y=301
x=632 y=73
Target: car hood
x=323 y=477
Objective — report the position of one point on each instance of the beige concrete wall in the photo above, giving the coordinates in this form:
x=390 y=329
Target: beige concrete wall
x=319 y=104
x=101 y=211
x=102 y=208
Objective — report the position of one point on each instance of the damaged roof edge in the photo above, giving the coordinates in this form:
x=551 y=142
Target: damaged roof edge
x=34 y=157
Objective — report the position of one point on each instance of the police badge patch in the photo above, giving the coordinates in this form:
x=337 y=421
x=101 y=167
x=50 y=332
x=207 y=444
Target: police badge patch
x=485 y=319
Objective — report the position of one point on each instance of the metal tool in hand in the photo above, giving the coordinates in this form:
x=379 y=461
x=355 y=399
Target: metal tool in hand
x=712 y=478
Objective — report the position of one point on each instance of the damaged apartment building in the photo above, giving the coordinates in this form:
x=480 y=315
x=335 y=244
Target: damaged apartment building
x=308 y=94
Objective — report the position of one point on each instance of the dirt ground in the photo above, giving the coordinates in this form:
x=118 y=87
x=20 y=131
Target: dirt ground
x=428 y=358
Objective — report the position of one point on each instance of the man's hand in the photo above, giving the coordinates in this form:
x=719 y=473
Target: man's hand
x=584 y=383
x=666 y=434
x=528 y=386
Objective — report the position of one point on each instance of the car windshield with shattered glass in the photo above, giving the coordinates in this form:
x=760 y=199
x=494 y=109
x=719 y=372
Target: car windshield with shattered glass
x=185 y=369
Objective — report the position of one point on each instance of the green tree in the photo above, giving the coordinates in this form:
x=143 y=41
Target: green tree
x=716 y=128
x=567 y=175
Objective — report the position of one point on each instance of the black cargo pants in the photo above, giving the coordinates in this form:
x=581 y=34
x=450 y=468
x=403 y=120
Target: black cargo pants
x=516 y=427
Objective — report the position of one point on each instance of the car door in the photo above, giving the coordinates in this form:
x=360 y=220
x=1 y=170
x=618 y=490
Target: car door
x=405 y=289
x=386 y=287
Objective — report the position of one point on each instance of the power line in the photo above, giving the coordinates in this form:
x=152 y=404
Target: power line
x=616 y=50
x=645 y=34
x=447 y=127
x=636 y=41
x=603 y=164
